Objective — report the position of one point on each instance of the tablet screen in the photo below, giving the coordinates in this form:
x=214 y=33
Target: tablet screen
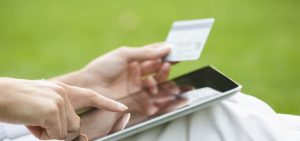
x=174 y=98
x=175 y=94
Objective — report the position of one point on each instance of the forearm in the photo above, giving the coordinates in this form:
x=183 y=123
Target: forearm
x=87 y=80
x=76 y=78
x=4 y=92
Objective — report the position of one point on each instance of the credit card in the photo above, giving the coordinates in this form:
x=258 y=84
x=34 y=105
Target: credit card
x=187 y=39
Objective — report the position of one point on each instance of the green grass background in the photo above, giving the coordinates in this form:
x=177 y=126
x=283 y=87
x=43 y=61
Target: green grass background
x=255 y=42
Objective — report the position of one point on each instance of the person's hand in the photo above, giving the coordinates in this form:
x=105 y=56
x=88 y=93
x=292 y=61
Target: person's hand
x=117 y=74
x=94 y=128
x=141 y=106
x=47 y=107
x=123 y=71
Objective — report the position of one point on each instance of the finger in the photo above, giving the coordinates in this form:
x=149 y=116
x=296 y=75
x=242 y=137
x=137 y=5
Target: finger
x=134 y=84
x=143 y=104
x=98 y=123
x=150 y=84
x=164 y=99
x=166 y=93
x=81 y=137
x=151 y=110
x=63 y=118
x=163 y=73
x=73 y=119
x=121 y=123
x=186 y=88
x=102 y=102
x=171 y=106
x=72 y=136
x=52 y=128
x=70 y=120
x=150 y=67
x=169 y=88
x=61 y=106
x=144 y=53
x=166 y=89
x=156 y=45
x=35 y=130
x=80 y=98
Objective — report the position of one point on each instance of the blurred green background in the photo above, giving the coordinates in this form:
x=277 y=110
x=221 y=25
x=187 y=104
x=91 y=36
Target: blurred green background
x=255 y=42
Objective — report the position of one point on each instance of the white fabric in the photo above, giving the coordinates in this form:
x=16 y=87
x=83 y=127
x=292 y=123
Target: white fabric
x=239 y=118
x=2 y=133
x=12 y=131
x=26 y=138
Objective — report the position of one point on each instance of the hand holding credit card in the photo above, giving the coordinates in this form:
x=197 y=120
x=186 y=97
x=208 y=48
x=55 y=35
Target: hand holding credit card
x=187 y=39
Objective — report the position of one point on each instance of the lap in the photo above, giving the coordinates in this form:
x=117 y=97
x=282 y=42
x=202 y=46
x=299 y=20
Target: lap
x=240 y=117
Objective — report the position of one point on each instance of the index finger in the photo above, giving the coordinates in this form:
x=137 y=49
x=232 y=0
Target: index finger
x=81 y=98
x=149 y=52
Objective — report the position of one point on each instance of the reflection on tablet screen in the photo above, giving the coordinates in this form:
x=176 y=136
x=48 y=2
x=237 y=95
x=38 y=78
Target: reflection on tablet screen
x=144 y=105
x=189 y=89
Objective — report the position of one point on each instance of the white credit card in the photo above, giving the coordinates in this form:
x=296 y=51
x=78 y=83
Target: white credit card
x=187 y=39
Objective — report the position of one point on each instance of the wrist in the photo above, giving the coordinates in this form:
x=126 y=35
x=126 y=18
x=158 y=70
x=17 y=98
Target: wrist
x=85 y=79
x=5 y=91
x=75 y=78
x=82 y=78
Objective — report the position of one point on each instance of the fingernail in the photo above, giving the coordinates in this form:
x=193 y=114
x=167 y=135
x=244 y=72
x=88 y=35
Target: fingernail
x=164 y=47
x=81 y=137
x=123 y=121
x=121 y=106
x=84 y=137
x=168 y=45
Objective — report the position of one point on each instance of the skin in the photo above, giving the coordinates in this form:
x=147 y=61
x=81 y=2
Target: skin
x=47 y=108
x=126 y=71
x=123 y=71
x=140 y=106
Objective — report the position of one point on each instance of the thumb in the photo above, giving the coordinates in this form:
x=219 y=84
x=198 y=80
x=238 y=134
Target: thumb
x=81 y=98
x=150 y=52
x=121 y=123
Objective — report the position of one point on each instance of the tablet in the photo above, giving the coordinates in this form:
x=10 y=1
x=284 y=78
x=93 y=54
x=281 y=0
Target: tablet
x=190 y=93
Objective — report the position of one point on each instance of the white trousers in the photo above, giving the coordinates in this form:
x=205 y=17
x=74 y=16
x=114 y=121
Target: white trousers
x=239 y=118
